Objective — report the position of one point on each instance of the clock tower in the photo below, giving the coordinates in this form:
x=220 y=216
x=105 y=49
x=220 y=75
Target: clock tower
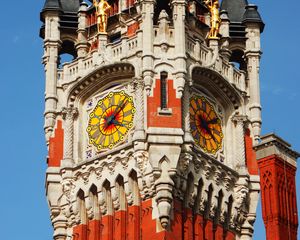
x=151 y=112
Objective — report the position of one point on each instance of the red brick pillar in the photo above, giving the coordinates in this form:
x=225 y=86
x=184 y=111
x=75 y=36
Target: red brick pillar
x=277 y=165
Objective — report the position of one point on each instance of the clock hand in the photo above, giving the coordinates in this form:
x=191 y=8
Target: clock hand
x=211 y=134
x=115 y=122
x=204 y=124
x=213 y=121
x=119 y=107
x=122 y=106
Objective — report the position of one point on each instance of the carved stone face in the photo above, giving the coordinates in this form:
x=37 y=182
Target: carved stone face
x=184 y=162
x=67 y=186
x=141 y=158
x=241 y=194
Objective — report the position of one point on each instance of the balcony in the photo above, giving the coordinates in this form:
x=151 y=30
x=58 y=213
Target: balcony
x=127 y=49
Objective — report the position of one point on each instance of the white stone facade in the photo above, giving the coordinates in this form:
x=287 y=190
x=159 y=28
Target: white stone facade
x=153 y=162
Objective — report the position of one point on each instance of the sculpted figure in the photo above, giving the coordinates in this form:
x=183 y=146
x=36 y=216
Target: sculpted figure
x=102 y=7
x=241 y=193
x=215 y=20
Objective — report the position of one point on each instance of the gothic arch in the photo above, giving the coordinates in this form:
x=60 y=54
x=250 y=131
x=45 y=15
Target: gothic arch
x=81 y=206
x=99 y=80
x=134 y=187
x=217 y=86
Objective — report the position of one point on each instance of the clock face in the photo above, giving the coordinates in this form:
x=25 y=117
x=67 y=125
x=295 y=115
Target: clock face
x=111 y=120
x=205 y=125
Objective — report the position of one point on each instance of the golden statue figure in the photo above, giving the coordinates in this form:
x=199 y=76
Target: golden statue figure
x=215 y=20
x=101 y=12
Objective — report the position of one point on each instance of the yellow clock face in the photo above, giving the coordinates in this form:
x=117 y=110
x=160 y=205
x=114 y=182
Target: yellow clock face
x=111 y=120
x=205 y=125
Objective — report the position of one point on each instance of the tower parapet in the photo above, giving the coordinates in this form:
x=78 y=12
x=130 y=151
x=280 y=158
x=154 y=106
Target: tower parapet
x=156 y=121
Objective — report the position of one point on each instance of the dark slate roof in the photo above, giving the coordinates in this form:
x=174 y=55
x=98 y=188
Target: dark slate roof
x=67 y=6
x=67 y=9
x=235 y=9
x=240 y=12
x=252 y=15
x=52 y=5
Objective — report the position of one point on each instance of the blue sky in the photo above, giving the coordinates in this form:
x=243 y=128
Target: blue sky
x=23 y=206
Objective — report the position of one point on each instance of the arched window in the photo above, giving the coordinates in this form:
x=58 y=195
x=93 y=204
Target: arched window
x=67 y=53
x=237 y=58
x=108 y=197
x=134 y=187
x=94 y=201
x=81 y=207
x=121 y=192
x=162 y=5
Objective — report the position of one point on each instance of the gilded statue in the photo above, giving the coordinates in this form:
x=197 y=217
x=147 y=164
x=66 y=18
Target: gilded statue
x=215 y=20
x=102 y=7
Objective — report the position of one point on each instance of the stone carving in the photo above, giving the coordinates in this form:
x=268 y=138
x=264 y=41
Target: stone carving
x=239 y=121
x=240 y=195
x=141 y=158
x=184 y=163
x=68 y=188
x=102 y=203
x=138 y=84
x=223 y=215
x=69 y=114
x=218 y=176
x=212 y=210
x=202 y=205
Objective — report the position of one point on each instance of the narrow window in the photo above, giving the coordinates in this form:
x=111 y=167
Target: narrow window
x=163 y=89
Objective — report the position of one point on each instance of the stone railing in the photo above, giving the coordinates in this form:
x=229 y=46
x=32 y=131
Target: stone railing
x=200 y=53
x=128 y=47
x=114 y=52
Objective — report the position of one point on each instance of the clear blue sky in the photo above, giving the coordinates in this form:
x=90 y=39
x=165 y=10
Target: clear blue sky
x=23 y=206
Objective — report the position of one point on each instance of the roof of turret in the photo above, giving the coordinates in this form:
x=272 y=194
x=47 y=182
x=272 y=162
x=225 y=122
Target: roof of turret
x=68 y=6
x=252 y=15
x=235 y=9
x=240 y=12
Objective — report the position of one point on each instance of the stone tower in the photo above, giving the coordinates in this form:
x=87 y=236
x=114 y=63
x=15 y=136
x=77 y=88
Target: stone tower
x=150 y=126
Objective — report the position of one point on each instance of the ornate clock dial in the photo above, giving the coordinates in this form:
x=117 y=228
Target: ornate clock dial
x=205 y=125
x=111 y=120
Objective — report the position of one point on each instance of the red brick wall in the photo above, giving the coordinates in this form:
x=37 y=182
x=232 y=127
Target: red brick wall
x=153 y=103
x=278 y=196
x=136 y=223
x=251 y=162
x=56 y=146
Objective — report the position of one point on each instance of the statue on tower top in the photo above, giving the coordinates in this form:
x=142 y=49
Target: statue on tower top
x=215 y=20
x=102 y=7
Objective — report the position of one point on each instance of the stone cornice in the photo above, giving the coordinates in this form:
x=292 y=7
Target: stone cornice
x=272 y=144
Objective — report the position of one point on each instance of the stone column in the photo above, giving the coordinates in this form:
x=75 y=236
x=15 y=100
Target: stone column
x=253 y=54
x=224 y=31
x=179 y=7
x=139 y=133
x=69 y=115
x=186 y=114
x=240 y=155
x=52 y=44
x=82 y=45
x=60 y=226
x=148 y=39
